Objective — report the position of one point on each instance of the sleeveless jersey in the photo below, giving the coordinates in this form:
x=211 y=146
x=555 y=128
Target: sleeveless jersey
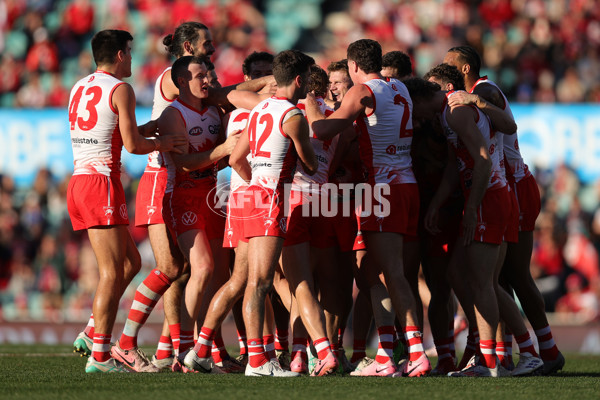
x=273 y=152
x=94 y=125
x=516 y=165
x=156 y=160
x=324 y=151
x=203 y=128
x=465 y=161
x=385 y=135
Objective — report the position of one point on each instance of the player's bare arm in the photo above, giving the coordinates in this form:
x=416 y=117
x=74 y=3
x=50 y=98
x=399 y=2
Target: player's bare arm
x=356 y=101
x=346 y=149
x=123 y=101
x=238 y=160
x=449 y=182
x=218 y=96
x=297 y=129
x=462 y=121
x=246 y=99
x=501 y=120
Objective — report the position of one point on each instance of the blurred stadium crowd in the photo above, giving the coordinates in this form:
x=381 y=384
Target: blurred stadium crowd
x=537 y=50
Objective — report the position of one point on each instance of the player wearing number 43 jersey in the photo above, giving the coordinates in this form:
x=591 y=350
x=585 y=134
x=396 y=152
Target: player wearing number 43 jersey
x=102 y=120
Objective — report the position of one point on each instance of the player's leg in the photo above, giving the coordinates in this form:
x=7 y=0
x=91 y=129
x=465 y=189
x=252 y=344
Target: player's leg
x=110 y=247
x=147 y=295
x=518 y=274
x=200 y=358
x=529 y=361
x=296 y=268
x=196 y=248
x=263 y=255
x=385 y=250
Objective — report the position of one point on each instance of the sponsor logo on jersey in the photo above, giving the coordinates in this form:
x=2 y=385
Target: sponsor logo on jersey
x=84 y=141
x=189 y=218
x=391 y=149
x=214 y=129
x=492 y=149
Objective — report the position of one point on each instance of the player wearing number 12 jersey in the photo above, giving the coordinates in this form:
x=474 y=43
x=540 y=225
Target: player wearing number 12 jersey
x=277 y=136
x=102 y=120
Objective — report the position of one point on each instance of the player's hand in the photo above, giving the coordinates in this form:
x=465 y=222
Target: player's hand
x=431 y=220
x=149 y=129
x=171 y=143
x=270 y=87
x=231 y=141
x=462 y=98
x=469 y=225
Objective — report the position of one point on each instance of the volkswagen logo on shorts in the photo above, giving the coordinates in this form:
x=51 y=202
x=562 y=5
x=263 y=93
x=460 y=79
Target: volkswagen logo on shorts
x=123 y=211
x=189 y=218
x=283 y=224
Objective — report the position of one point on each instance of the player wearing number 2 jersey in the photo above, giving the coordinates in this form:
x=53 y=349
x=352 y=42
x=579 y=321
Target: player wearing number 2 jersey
x=102 y=120
x=382 y=110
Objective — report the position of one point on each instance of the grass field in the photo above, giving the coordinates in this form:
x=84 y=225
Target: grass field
x=53 y=372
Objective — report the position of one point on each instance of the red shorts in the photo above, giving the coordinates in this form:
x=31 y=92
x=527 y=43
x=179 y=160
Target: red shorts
x=96 y=200
x=512 y=229
x=528 y=197
x=401 y=215
x=149 y=198
x=304 y=227
x=188 y=209
x=345 y=226
x=264 y=215
x=492 y=216
x=234 y=225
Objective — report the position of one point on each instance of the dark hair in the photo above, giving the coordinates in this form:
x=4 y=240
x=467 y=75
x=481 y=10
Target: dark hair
x=421 y=89
x=398 y=60
x=468 y=55
x=180 y=67
x=366 y=53
x=288 y=64
x=341 y=65
x=448 y=74
x=319 y=81
x=186 y=32
x=209 y=64
x=256 y=57
x=106 y=44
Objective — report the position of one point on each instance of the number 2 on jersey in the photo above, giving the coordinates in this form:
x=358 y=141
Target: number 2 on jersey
x=252 y=130
x=90 y=106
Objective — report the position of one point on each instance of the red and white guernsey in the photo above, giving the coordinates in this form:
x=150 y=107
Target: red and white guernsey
x=94 y=125
x=465 y=161
x=203 y=128
x=238 y=119
x=516 y=165
x=273 y=152
x=156 y=160
x=324 y=151
x=386 y=134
